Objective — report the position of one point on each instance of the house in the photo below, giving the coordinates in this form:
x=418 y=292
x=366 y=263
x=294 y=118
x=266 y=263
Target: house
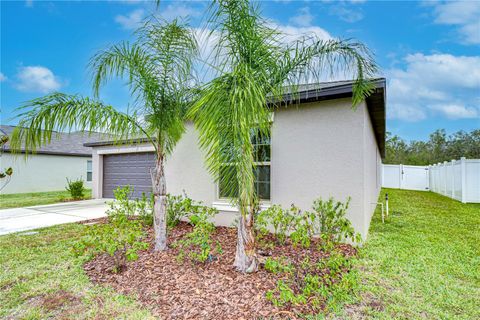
x=318 y=147
x=47 y=169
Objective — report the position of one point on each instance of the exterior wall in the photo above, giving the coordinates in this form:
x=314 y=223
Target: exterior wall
x=322 y=149
x=43 y=172
x=319 y=150
x=372 y=170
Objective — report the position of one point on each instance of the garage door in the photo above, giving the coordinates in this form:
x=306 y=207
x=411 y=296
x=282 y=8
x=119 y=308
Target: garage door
x=127 y=169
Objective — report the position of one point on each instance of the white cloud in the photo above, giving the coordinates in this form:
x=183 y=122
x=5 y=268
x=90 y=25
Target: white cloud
x=132 y=20
x=405 y=112
x=175 y=10
x=346 y=14
x=457 y=111
x=437 y=84
x=303 y=18
x=29 y=3
x=465 y=15
x=2 y=77
x=292 y=33
x=37 y=79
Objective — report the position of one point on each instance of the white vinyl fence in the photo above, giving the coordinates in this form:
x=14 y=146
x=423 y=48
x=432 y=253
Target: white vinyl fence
x=457 y=179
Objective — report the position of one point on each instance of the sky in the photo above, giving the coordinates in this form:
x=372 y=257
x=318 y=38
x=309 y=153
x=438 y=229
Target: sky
x=428 y=51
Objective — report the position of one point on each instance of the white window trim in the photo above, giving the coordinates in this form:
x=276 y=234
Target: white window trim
x=228 y=207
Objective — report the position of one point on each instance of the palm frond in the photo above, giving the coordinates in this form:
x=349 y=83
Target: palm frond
x=58 y=112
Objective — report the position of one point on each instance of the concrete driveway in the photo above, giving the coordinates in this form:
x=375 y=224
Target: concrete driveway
x=28 y=218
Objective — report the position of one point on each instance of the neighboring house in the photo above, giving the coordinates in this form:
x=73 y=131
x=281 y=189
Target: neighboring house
x=317 y=148
x=47 y=169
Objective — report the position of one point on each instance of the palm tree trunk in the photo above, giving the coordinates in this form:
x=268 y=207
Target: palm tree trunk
x=246 y=257
x=160 y=204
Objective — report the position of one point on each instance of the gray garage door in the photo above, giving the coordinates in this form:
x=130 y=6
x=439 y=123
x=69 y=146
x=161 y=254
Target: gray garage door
x=127 y=169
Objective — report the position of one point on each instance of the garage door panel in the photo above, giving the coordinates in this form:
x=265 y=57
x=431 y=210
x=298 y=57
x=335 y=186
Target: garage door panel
x=128 y=169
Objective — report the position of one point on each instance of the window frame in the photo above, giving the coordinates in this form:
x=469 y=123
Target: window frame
x=89 y=171
x=256 y=163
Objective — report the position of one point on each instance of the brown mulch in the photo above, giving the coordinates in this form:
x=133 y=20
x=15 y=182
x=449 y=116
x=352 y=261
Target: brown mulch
x=175 y=290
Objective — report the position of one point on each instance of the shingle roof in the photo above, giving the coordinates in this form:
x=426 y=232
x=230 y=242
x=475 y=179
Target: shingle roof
x=62 y=143
x=317 y=92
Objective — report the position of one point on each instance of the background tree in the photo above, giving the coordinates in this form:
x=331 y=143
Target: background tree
x=157 y=69
x=438 y=148
x=7 y=173
x=253 y=66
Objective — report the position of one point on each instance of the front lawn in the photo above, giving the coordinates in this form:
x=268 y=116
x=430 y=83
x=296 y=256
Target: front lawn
x=17 y=200
x=424 y=262
x=40 y=278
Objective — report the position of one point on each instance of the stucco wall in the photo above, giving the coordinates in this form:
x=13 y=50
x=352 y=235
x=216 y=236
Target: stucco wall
x=43 y=172
x=372 y=170
x=322 y=149
x=185 y=170
x=317 y=151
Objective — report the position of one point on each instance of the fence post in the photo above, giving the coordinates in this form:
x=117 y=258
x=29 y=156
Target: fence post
x=400 y=176
x=453 y=179
x=445 y=177
x=464 y=179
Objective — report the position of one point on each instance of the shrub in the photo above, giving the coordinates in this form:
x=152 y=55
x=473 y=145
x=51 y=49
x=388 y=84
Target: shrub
x=122 y=204
x=328 y=219
x=179 y=207
x=331 y=222
x=198 y=244
x=76 y=189
x=280 y=265
x=302 y=228
x=323 y=284
x=144 y=209
x=121 y=238
x=279 y=219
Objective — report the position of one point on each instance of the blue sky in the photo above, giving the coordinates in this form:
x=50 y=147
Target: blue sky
x=429 y=51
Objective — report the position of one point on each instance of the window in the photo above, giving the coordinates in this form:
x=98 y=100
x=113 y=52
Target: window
x=261 y=153
x=89 y=170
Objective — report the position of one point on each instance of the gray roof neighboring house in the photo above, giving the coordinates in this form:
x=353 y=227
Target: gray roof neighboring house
x=376 y=104
x=70 y=144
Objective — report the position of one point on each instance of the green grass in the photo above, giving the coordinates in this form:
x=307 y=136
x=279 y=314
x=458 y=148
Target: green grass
x=424 y=262
x=38 y=198
x=40 y=279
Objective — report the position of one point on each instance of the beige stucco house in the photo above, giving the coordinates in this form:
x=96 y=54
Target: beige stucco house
x=50 y=166
x=319 y=147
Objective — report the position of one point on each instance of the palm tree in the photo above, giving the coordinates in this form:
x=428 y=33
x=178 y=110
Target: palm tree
x=157 y=67
x=254 y=70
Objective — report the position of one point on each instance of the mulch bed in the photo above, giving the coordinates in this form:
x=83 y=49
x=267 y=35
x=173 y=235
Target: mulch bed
x=174 y=290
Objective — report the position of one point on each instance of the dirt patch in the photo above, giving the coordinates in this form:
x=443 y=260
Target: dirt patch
x=58 y=300
x=174 y=290
x=94 y=221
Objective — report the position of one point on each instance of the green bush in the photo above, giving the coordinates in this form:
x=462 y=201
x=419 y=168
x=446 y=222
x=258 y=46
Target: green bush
x=323 y=284
x=328 y=220
x=331 y=221
x=179 y=207
x=76 y=189
x=198 y=245
x=279 y=219
x=144 y=208
x=280 y=265
x=122 y=237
